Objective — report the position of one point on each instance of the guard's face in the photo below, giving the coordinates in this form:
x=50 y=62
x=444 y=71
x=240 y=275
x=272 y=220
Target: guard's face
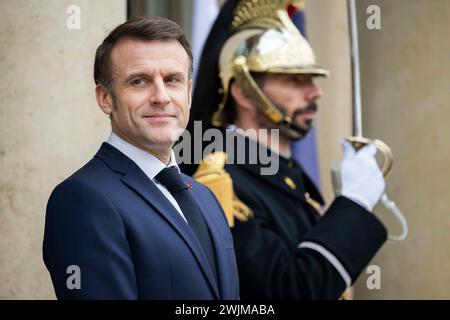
x=152 y=92
x=295 y=96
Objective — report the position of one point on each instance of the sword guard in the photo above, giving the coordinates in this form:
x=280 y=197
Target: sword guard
x=383 y=148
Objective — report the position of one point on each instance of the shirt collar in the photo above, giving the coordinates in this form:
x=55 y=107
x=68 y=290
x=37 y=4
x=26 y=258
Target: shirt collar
x=147 y=162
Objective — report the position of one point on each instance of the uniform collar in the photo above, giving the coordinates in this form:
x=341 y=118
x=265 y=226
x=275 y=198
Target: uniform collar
x=291 y=178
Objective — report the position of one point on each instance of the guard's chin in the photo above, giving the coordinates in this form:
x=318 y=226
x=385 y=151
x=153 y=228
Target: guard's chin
x=295 y=135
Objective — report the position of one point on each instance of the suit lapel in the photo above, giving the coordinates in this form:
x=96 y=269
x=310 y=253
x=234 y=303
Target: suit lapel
x=136 y=179
x=140 y=183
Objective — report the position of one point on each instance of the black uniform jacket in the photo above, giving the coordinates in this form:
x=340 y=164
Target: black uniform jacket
x=288 y=250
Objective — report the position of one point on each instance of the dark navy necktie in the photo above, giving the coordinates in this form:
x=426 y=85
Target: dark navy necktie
x=172 y=180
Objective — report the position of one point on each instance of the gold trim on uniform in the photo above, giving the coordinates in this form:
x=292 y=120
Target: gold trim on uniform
x=291 y=184
x=313 y=203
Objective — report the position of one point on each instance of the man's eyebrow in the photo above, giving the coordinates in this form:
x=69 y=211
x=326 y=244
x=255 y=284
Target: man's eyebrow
x=135 y=75
x=175 y=74
x=146 y=76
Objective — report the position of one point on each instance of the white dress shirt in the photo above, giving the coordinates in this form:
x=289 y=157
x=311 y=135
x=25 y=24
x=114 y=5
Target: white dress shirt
x=148 y=163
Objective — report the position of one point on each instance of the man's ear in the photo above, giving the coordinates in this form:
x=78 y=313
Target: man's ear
x=104 y=99
x=241 y=98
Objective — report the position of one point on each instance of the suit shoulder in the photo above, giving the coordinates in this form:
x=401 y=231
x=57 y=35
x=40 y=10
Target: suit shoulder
x=77 y=203
x=74 y=192
x=86 y=180
x=93 y=173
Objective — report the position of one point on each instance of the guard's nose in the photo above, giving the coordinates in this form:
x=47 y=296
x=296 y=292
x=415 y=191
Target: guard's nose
x=313 y=92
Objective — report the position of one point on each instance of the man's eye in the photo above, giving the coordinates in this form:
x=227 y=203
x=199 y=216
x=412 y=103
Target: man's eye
x=302 y=80
x=173 y=80
x=138 y=82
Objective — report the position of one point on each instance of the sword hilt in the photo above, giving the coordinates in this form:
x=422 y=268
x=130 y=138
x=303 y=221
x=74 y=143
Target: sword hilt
x=383 y=148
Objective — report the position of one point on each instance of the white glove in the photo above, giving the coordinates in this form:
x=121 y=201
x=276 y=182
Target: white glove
x=361 y=178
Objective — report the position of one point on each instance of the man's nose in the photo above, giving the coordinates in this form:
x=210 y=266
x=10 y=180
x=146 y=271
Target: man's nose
x=314 y=92
x=159 y=94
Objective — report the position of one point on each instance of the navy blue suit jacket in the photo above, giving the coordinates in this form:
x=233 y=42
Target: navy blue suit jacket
x=111 y=221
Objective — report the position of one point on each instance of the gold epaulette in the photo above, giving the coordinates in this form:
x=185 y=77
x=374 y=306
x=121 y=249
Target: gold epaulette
x=211 y=173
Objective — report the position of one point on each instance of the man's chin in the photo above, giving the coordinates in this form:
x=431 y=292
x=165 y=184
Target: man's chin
x=163 y=133
x=162 y=138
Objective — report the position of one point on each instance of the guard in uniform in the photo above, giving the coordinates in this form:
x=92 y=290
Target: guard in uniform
x=286 y=247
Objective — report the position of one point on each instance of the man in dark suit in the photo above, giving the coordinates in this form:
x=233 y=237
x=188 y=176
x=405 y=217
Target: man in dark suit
x=128 y=225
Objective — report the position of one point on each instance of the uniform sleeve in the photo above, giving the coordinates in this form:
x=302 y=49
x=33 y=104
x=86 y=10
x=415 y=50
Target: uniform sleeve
x=325 y=262
x=83 y=229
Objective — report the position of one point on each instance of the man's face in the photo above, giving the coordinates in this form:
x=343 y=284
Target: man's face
x=295 y=96
x=151 y=92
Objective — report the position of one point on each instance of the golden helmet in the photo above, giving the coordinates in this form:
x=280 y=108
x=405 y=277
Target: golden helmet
x=264 y=39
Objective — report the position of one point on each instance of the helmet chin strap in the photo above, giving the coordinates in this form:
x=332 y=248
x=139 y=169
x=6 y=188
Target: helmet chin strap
x=274 y=114
x=296 y=128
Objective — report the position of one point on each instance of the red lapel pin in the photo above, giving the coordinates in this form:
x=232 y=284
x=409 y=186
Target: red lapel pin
x=189 y=185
